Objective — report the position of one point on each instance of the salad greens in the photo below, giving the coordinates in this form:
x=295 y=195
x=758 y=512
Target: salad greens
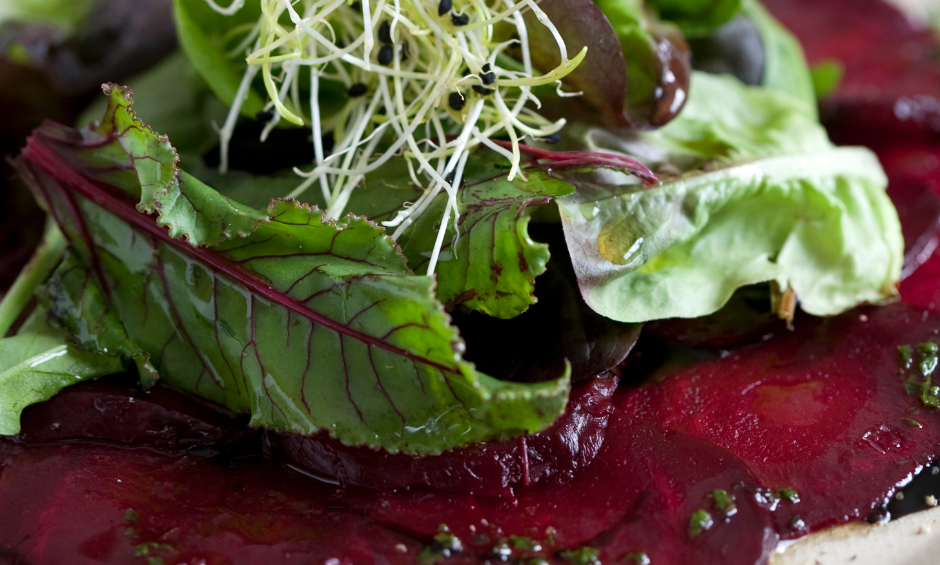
x=37 y=363
x=66 y=14
x=319 y=298
x=697 y=18
x=785 y=67
x=764 y=197
x=302 y=322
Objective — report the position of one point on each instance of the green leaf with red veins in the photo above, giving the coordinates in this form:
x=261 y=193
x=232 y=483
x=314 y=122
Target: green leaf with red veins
x=120 y=143
x=488 y=263
x=303 y=323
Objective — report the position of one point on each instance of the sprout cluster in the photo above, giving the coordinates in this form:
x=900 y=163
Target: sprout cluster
x=423 y=83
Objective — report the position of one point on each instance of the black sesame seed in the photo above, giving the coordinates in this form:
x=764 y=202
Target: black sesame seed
x=444 y=7
x=482 y=90
x=552 y=139
x=486 y=68
x=460 y=19
x=357 y=90
x=385 y=54
x=385 y=33
x=449 y=177
x=265 y=115
x=456 y=101
x=488 y=78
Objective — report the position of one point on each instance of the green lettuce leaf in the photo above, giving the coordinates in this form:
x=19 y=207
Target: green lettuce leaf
x=37 y=363
x=305 y=324
x=697 y=18
x=201 y=33
x=65 y=14
x=785 y=66
x=761 y=195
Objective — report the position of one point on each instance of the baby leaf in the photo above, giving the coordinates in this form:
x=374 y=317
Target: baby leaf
x=304 y=323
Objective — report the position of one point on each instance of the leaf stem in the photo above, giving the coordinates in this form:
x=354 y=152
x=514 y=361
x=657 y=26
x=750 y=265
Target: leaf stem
x=44 y=260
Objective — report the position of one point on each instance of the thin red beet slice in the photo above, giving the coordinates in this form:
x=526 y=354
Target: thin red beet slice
x=896 y=87
x=161 y=418
x=822 y=411
x=553 y=455
x=97 y=504
x=78 y=504
x=638 y=496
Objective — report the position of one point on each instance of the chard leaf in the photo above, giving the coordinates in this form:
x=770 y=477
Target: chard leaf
x=488 y=263
x=765 y=197
x=37 y=363
x=491 y=265
x=172 y=98
x=120 y=142
x=303 y=323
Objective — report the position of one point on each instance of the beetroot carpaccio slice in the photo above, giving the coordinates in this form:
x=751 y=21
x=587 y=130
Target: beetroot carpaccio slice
x=554 y=455
x=709 y=462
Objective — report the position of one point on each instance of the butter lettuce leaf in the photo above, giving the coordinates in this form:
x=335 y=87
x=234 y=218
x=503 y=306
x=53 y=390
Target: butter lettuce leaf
x=304 y=323
x=758 y=194
x=785 y=66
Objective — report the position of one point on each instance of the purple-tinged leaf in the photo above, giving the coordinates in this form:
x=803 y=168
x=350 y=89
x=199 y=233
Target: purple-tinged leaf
x=577 y=161
x=636 y=72
x=304 y=323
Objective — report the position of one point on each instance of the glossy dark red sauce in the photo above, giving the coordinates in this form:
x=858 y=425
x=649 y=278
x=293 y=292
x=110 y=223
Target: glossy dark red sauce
x=805 y=429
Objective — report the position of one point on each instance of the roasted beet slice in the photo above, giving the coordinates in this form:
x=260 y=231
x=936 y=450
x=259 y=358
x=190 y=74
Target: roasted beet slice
x=554 y=455
x=887 y=97
x=922 y=288
x=893 y=88
x=807 y=429
x=81 y=504
x=84 y=504
x=822 y=411
x=914 y=187
x=639 y=496
x=161 y=418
